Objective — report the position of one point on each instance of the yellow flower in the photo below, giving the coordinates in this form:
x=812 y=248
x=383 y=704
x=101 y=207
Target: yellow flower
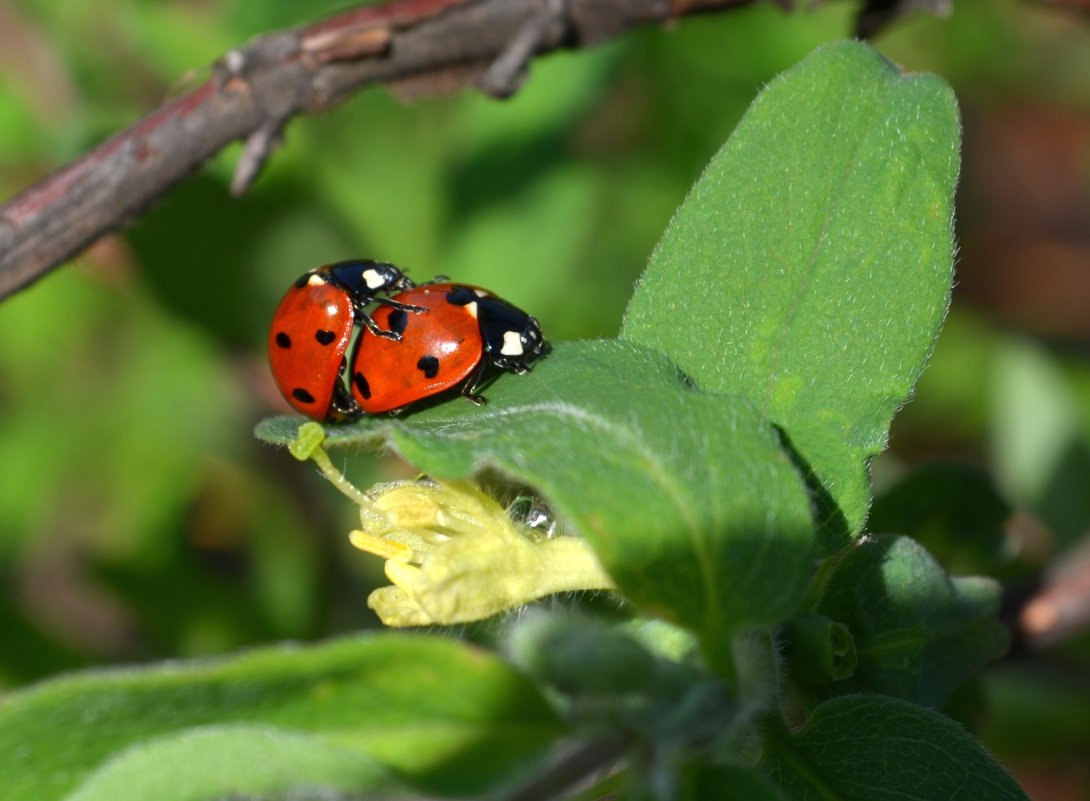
x=453 y=554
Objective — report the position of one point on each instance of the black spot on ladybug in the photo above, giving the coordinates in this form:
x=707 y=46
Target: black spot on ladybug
x=429 y=366
x=461 y=296
x=283 y=340
x=362 y=386
x=398 y=320
x=324 y=337
x=302 y=395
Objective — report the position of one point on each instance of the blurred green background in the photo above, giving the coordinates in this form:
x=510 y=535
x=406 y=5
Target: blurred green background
x=139 y=519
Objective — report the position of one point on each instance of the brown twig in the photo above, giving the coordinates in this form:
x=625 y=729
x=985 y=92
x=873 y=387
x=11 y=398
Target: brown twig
x=1060 y=610
x=256 y=89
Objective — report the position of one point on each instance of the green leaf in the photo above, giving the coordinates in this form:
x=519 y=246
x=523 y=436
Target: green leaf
x=209 y=762
x=446 y=716
x=918 y=633
x=870 y=748
x=687 y=498
x=810 y=267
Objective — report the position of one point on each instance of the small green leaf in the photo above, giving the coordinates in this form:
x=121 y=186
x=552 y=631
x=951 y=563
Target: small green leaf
x=872 y=748
x=686 y=497
x=918 y=632
x=810 y=267
x=444 y=715
x=819 y=650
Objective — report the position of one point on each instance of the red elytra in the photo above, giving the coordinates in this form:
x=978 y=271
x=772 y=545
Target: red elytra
x=439 y=349
x=308 y=339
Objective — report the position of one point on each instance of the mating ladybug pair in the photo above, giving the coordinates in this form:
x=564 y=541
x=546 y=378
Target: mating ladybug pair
x=418 y=342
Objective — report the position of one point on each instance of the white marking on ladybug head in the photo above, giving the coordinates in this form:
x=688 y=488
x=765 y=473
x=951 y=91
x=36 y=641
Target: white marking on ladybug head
x=315 y=280
x=235 y=60
x=472 y=309
x=512 y=344
x=480 y=293
x=374 y=279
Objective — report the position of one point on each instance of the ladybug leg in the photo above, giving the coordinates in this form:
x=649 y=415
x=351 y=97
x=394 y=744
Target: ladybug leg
x=397 y=304
x=363 y=318
x=470 y=386
x=512 y=365
x=374 y=328
x=439 y=279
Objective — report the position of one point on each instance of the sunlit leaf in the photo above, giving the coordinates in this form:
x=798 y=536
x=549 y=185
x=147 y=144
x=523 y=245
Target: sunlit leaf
x=810 y=267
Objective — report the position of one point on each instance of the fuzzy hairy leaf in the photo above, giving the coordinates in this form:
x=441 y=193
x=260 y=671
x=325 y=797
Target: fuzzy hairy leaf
x=872 y=748
x=810 y=267
x=446 y=716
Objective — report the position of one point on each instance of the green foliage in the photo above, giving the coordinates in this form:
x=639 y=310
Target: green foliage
x=810 y=267
x=450 y=717
x=820 y=650
x=783 y=319
x=162 y=766
x=870 y=748
x=820 y=238
x=138 y=519
x=919 y=634
x=690 y=503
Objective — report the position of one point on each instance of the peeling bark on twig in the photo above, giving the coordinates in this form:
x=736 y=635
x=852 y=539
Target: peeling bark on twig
x=256 y=89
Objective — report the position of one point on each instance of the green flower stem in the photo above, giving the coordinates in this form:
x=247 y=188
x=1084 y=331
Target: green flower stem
x=308 y=445
x=337 y=479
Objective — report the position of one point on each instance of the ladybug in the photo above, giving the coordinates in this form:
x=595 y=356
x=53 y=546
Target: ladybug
x=464 y=332
x=313 y=325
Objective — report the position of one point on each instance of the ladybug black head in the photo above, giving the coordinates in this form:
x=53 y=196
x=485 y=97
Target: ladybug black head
x=512 y=338
x=364 y=278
